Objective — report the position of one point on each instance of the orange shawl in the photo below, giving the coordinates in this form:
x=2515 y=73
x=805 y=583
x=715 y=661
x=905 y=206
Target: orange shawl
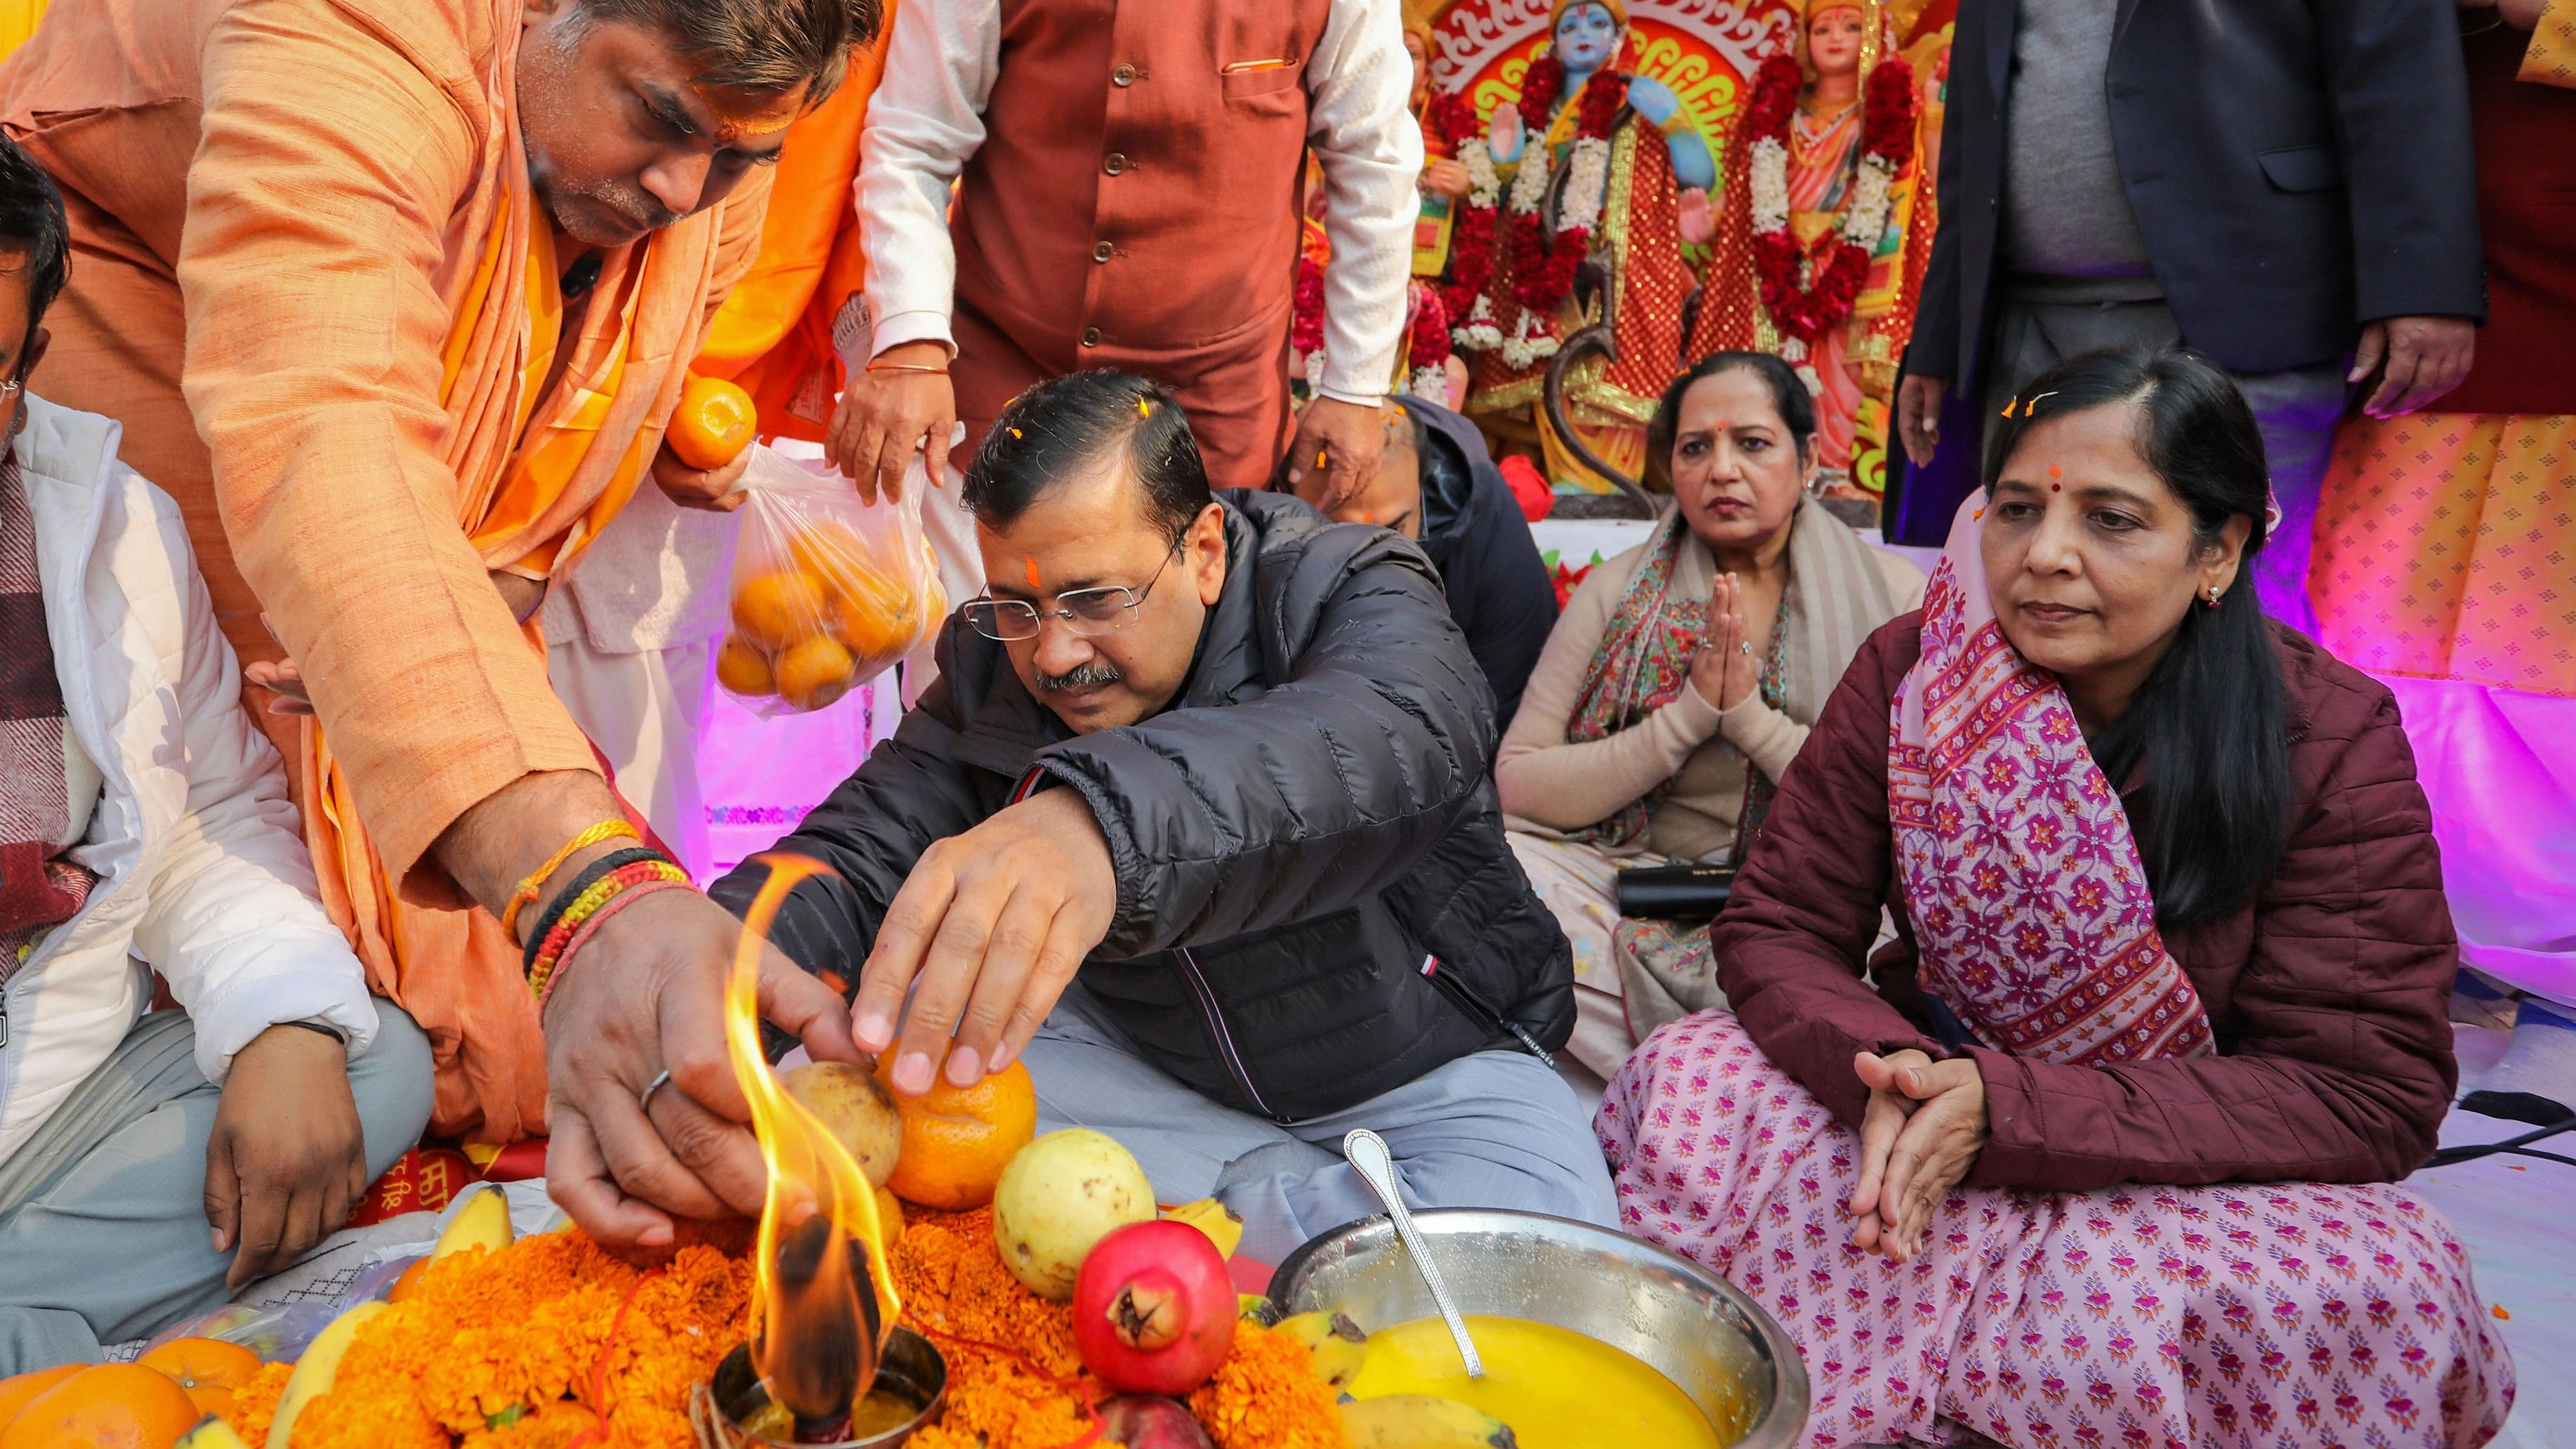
x=539 y=472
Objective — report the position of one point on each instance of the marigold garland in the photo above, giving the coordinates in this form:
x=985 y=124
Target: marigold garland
x=1266 y=1396
x=1543 y=262
x=555 y=1344
x=1806 y=307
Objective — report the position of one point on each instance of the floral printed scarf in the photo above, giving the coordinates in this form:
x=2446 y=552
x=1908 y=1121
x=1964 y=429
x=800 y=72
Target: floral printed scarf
x=2026 y=890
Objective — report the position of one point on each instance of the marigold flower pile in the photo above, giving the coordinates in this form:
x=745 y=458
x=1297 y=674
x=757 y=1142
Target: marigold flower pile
x=555 y=1344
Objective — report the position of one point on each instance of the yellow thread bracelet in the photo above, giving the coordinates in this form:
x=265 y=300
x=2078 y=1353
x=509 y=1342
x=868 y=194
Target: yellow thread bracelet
x=536 y=880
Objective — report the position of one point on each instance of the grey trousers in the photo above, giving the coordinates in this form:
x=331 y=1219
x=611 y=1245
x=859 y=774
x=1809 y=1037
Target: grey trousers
x=103 y=1233
x=2296 y=409
x=1498 y=1130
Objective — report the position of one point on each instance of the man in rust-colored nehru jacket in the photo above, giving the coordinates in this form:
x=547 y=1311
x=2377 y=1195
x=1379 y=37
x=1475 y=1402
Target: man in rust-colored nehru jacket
x=1128 y=198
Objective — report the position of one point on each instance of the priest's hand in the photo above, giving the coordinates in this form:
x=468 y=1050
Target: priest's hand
x=1340 y=440
x=902 y=402
x=285 y=1164
x=1932 y=1152
x=986 y=933
x=2417 y=358
x=709 y=489
x=642 y=997
x=1446 y=176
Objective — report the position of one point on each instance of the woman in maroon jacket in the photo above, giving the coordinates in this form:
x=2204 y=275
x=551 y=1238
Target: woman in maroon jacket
x=1990 y=1191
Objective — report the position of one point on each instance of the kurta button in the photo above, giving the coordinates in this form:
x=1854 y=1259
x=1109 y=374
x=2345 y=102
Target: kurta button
x=1116 y=163
x=1124 y=75
x=1091 y=337
x=1101 y=253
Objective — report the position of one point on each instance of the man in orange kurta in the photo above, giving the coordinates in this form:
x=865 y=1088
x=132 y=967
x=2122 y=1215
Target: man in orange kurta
x=395 y=297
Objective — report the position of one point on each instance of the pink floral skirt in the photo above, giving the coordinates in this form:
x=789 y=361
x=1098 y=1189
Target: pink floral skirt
x=2256 y=1315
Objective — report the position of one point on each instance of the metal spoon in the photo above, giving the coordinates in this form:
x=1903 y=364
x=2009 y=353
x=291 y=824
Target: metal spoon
x=1368 y=1155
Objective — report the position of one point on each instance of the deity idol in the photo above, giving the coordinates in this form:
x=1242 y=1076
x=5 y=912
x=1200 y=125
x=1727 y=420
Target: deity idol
x=1590 y=158
x=1813 y=259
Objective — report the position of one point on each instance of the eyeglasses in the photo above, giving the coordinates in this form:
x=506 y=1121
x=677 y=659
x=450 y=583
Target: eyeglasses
x=1086 y=612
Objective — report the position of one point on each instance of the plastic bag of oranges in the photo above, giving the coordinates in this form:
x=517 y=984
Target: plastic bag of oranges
x=828 y=592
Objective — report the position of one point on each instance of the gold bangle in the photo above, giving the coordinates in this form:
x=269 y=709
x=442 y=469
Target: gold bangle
x=526 y=895
x=903 y=367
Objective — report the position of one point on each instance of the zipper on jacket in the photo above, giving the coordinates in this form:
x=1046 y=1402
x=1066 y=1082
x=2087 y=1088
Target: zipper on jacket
x=1224 y=1038
x=1475 y=1006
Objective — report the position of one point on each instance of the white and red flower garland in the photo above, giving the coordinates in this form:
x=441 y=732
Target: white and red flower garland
x=1806 y=300
x=1543 y=265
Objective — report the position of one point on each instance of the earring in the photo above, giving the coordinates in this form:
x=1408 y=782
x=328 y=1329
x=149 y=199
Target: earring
x=2213 y=596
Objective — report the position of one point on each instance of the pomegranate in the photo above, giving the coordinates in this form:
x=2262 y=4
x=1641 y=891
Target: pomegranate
x=1153 y=1310
x=1142 y=1421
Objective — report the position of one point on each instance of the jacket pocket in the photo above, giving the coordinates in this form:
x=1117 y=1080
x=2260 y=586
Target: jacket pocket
x=1250 y=80
x=2302 y=168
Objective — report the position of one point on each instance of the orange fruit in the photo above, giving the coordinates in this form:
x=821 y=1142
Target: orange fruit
x=957 y=1140
x=17 y=1389
x=831 y=551
x=777 y=607
x=743 y=667
x=111 y=1406
x=407 y=1281
x=713 y=423
x=872 y=621
x=812 y=674
x=209 y=1369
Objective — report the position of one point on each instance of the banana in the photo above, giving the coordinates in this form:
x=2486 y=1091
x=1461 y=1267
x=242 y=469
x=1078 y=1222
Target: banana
x=210 y=1433
x=1423 y=1421
x=481 y=1221
x=1337 y=1343
x=1215 y=1219
x=316 y=1369
x=1258 y=1307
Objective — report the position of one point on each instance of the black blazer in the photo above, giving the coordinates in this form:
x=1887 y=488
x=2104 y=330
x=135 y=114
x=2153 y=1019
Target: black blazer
x=2297 y=169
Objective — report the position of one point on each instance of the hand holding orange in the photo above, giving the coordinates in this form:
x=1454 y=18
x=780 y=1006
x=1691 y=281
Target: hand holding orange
x=713 y=423
x=957 y=1140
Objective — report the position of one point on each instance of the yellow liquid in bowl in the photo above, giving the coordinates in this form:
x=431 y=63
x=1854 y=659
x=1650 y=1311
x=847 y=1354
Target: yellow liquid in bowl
x=1557 y=1388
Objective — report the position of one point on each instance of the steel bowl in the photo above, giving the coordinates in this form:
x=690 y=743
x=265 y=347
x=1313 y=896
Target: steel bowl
x=1717 y=1345
x=911 y=1368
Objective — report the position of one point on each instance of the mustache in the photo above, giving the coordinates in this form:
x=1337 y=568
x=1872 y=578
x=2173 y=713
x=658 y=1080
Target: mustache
x=1088 y=676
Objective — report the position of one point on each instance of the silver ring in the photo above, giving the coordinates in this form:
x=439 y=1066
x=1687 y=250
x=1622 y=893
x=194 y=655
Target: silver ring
x=1745 y=645
x=644 y=1102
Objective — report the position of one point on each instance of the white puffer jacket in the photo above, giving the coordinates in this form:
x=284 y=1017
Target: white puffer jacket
x=203 y=875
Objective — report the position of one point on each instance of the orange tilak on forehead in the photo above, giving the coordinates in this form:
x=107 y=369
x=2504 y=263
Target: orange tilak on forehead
x=1032 y=566
x=741 y=118
x=2056 y=472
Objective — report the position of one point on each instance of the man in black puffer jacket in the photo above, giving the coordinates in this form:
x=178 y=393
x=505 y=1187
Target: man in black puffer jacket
x=1199 y=819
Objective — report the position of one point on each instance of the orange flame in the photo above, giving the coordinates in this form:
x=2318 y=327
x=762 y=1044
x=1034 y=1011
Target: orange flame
x=814 y=1339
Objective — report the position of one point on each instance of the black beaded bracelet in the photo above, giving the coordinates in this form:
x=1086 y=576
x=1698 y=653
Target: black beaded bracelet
x=590 y=876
